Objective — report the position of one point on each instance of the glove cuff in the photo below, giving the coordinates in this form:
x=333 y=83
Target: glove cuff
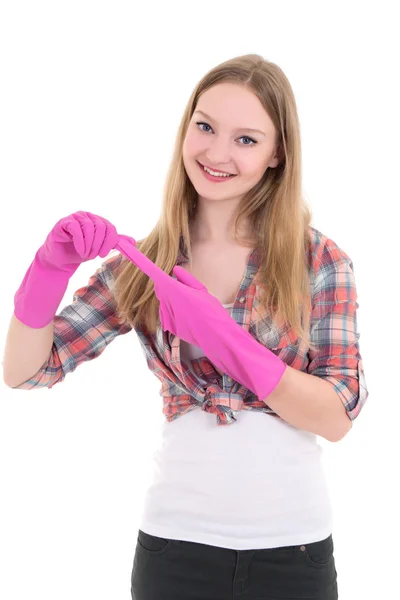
x=37 y=299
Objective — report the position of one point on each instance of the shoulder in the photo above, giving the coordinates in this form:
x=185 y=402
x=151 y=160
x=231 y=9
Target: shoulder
x=324 y=253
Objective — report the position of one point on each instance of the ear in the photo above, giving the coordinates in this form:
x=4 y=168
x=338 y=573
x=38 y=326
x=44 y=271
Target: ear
x=187 y=278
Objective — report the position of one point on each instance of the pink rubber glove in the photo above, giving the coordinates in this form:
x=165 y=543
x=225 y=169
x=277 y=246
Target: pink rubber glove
x=73 y=240
x=190 y=312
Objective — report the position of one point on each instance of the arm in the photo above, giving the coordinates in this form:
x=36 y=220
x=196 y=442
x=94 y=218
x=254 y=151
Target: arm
x=308 y=400
x=327 y=398
x=82 y=330
x=26 y=349
x=310 y=403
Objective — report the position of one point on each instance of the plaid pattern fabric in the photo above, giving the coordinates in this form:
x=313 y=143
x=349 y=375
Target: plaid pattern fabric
x=83 y=329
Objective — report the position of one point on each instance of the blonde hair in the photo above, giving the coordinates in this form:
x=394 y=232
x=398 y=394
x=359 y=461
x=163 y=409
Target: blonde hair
x=274 y=209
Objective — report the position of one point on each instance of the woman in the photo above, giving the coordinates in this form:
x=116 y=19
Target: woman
x=238 y=503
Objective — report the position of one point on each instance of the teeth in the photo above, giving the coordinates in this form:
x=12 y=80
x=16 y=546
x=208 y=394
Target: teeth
x=215 y=173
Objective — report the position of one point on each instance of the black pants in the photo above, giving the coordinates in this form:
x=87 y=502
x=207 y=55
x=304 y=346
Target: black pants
x=165 y=569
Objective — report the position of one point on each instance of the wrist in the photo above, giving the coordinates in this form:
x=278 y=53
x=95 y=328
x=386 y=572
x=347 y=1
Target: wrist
x=242 y=357
x=38 y=297
x=263 y=369
x=44 y=263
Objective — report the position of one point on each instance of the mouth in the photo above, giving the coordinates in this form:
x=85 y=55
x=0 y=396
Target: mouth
x=228 y=175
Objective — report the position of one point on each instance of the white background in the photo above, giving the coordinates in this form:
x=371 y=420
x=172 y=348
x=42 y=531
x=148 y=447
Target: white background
x=91 y=97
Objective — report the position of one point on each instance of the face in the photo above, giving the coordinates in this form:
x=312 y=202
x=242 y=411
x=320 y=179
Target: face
x=225 y=141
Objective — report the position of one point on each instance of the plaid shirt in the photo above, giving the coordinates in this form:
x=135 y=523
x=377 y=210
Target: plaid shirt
x=83 y=329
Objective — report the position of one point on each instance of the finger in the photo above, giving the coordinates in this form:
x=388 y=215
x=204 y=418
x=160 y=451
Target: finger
x=129 y=239
x=99 y=232
x=107 y=237
x=141 y=261
x=111 y=238
x=74 y=232
x=187 y=278
x=88 y=230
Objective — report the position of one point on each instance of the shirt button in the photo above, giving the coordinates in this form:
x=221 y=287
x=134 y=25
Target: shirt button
x=251 y=275
x=302 y=548
x=242 y=299
x=209 y=403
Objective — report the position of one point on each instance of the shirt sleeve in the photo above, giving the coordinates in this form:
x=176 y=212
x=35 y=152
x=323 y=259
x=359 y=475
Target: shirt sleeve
x=83 y=329
x=334 y=333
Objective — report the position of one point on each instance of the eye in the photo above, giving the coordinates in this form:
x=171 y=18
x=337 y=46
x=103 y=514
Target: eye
x=243 y=136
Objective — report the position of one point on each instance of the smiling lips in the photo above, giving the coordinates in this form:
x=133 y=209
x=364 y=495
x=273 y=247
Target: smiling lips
x=217 y=170
x=215 y=178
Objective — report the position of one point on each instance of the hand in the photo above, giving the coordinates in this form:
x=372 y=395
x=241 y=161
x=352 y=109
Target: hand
x=185 y=297
x=194 y=315
x=77 y=238
x=74 y=239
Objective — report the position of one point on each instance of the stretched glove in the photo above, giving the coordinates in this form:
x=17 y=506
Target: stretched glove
x=74 y=239
x=190 y=312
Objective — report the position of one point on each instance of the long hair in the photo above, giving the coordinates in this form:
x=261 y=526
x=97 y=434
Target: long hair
x=275 y=209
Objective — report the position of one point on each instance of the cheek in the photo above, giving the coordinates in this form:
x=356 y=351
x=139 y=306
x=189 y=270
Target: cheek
x=192 y=145
x=254 y=167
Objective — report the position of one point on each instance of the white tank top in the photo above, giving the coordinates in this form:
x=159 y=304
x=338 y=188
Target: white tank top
x=258 y=483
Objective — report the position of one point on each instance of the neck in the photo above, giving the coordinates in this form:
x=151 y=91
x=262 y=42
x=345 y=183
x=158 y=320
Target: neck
x=208 y=231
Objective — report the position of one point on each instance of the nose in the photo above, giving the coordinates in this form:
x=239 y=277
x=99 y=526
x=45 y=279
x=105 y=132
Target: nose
x=219 y=153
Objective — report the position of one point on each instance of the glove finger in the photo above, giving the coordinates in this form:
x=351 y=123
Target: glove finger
x=187 y=278
x=95 y=236
x=110 y=239
x=87 y=233
x=72 y=232
x=105 y=236
x=127 y=238
x=145 y=264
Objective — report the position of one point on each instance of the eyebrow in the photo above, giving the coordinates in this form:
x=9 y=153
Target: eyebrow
x=238 y=129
